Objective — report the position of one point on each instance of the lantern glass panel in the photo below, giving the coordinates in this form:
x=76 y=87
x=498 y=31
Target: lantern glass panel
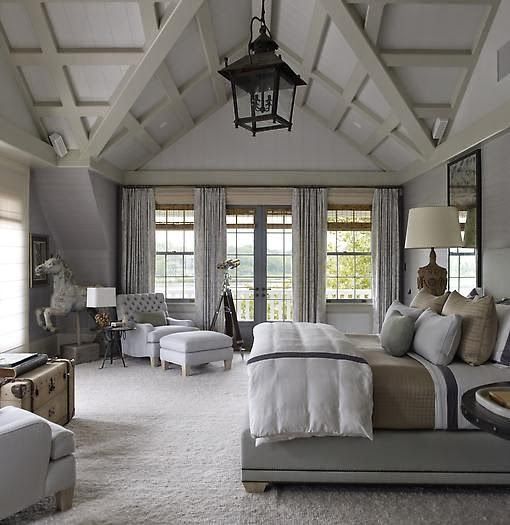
x=285 y=99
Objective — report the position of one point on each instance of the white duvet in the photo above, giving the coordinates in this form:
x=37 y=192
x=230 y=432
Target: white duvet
x=307 y=380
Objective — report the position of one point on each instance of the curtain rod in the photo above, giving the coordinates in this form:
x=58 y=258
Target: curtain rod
x=268 y=187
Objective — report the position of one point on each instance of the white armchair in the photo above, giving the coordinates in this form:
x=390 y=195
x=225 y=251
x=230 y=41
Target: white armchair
x=36 y=460
x=144 y=341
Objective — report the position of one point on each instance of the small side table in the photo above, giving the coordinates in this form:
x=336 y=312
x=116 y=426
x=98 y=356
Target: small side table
x=481 y=417
x=112 y=337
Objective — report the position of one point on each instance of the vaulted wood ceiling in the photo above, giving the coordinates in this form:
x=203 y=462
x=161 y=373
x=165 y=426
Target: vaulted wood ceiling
x=122 y=81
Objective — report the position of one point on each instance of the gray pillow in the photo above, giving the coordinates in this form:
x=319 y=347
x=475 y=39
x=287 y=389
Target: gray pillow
x=437 y=337
x=403 y=309
x=154 y=318
x=397 y=333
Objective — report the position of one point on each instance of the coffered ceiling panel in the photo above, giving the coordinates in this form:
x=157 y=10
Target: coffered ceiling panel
x=164 y=126
x=373 y=99
x=150 y=96
x=186 y=59
x=126 y=154
x=95 y=83
x=17 y=26
x=89 y=122
x=96 y=24
x=40 y=83
x=335 y=46
x=200 y=99
x=357 y=127
x=431 y=26
x=291 y=19
x=430 y=85
x=231 y=23
x=393 y=155
x=321 y=100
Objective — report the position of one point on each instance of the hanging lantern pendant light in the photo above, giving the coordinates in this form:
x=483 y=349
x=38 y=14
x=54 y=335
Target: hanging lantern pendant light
x=263 y=85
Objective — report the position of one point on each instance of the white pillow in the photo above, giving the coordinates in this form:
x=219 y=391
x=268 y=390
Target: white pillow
x=437 y=337
x=403 y=309
x=501 y=353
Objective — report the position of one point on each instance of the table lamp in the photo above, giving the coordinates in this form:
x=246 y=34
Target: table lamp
x=101 y=298
x=433 y=227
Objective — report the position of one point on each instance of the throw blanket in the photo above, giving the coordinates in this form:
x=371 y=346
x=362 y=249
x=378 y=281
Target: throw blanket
x=306 y=380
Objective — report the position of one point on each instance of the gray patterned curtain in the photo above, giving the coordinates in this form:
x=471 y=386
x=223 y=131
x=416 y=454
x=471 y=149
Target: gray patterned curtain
x=210 y=249
x=385 y=251
x=309 y=234
x=138 y=256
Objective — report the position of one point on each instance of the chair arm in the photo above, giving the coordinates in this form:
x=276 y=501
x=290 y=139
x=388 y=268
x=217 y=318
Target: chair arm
x=135 y=342
x=179 y=322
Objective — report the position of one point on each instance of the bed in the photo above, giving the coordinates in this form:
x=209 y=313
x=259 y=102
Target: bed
x=416 y=439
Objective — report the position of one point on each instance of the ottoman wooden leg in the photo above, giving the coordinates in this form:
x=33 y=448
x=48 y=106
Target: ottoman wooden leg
x=228 y=364
x=255 y=487
x=164 y=364
x=64 y=499
x=186 y=370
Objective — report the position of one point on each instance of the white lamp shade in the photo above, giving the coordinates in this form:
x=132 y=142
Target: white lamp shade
x=433 y=227
x=101 y=297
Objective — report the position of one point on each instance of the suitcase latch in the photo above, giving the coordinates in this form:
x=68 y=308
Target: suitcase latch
x=51 y=386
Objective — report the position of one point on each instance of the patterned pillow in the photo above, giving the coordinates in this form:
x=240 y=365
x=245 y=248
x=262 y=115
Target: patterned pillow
x=154 y=318
x=424 y=299
x=479 y=326
x=501 y=352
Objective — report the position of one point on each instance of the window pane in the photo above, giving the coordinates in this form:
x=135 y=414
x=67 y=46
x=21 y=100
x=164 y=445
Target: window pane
x=189 y=288
x=174 y=288
x=275 y=265
x=160 y=266
x=160 y=240
x=189 y=265
x=175 y=240
x=189 y=241
x=160 y=216
x=275 y=242
x=331 y=241
x=362 y=242
x=174 y=266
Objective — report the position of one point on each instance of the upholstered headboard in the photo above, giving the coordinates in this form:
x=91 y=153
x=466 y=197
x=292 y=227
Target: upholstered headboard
x=130 y=303
x=496 y=272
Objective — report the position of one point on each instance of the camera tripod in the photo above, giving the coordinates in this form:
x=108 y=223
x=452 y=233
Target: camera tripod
x=229 y=308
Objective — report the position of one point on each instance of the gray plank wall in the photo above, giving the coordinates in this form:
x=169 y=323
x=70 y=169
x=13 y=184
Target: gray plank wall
x=78 y=209
x=430 y=190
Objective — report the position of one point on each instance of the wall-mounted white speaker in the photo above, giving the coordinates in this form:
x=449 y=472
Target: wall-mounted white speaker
x=439 y=128
x=58 y=144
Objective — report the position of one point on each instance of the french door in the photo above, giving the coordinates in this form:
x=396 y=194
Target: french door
x=261 y=238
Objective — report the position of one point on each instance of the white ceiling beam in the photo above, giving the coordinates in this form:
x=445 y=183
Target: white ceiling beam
x=341 y=16
x=433 y=110
x=313 y=44
x=75 y=57
x=49 y=110
x=483 y=129
x=210 y=49
x=260 y=178
x=380 y=134
x=42 y=27
x=427 y=58
x=141 y=134
x=25 y=144
x=149 y=21
x=373 y=21
x=352 y=88
x=431 y=2
x=170 y=32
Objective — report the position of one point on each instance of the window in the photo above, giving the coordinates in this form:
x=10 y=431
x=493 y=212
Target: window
x=349 y=261
x=13 y=260
x=241 y=245
x=462 y=261
x=175 y=268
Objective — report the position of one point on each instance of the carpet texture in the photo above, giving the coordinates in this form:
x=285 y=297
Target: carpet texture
x=153 y=447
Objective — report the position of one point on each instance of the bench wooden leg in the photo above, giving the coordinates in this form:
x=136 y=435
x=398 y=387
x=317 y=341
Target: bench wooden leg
x=186 y=370
x=228 y=364
x=154 y=362
x=64 y=499
x=255 y=487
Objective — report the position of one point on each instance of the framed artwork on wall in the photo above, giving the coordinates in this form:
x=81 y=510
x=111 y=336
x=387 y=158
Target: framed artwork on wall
x=38 y=254
x=464 y=192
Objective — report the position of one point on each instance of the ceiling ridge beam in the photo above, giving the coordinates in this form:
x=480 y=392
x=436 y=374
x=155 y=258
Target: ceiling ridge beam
x=427 y=58
x=313 y=44
x=170 y=32
x=41 y=24
x=212 y=57
x=380 y=134
x=433 y=110
x=344 y=21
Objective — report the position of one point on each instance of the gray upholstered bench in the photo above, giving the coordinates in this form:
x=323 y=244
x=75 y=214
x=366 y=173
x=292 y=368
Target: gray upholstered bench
x=189 y=349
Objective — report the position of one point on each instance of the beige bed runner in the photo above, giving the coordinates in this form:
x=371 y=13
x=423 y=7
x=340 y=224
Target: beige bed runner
x=404 y=395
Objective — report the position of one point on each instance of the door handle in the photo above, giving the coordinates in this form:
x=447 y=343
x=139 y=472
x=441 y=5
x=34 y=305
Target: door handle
x=254 y=289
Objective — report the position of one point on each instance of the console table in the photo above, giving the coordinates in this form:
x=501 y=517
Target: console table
x=481 y=417
x=112 y=336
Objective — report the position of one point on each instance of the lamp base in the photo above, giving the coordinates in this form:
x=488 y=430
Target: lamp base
x=432 y=277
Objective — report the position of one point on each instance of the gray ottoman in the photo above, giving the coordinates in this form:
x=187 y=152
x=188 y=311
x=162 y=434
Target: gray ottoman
x=189 y=349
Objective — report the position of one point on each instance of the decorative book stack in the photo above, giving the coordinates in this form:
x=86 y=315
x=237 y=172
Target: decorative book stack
x=496 y=399
x=13 y=365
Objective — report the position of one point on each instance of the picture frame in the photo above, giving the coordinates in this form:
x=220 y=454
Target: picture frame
x=464 y=192
x=38 y=254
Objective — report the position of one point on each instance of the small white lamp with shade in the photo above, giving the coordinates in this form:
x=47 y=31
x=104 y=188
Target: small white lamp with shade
x=101 y=297
x=433 y=227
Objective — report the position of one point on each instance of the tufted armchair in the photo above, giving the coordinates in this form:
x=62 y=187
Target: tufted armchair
x=144 y=341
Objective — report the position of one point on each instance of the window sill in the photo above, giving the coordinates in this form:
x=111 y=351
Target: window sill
x=348 y=306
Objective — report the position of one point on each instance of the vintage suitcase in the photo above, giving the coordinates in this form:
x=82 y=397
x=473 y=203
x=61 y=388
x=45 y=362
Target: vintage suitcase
x=47 y=391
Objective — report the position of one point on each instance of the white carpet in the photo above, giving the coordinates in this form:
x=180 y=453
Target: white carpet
x=153 y=447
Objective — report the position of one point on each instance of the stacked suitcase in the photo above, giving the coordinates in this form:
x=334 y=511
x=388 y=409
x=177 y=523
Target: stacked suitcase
x=47 y=391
